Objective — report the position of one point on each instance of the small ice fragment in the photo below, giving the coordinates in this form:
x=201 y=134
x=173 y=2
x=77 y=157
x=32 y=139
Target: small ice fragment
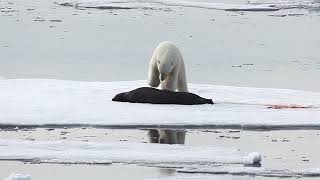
x=18 y=177
x=252 y=158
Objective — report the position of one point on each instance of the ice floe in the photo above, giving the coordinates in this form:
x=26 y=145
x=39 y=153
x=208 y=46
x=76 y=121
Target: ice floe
x=121 y=152
x=51 y=103
x=155 y=4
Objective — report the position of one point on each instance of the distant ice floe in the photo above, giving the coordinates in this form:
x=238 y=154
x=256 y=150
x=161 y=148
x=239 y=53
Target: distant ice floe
x=241 y=172
x=18 y=177
x=252 y=5
x=288 y=4
x=58 y=103
x=122 y=152
x=155 y=4
x=197 y=176
x=255 y=171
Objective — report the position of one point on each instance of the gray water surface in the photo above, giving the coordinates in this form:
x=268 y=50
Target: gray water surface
x=40 y=39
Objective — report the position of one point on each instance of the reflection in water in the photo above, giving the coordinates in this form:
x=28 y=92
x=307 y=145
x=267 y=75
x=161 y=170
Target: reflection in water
x=167 y=136
x=167 y=172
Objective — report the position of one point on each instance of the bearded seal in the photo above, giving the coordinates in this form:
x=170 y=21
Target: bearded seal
x=156 y=96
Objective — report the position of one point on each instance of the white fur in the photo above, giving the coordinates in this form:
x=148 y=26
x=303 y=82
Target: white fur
x=167 y=70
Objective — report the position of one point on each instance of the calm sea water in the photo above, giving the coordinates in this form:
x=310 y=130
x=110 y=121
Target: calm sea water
x=39 y=39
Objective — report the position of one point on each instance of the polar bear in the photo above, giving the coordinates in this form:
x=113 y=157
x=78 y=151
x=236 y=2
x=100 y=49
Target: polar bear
x=167 y=70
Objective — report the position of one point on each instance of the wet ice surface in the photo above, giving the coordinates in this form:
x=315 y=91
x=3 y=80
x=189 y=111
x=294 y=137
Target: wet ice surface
x=50 y=103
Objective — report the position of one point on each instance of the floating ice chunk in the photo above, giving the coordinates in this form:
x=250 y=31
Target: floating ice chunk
x=18 y=177
x=121 y=152
x=252 y=158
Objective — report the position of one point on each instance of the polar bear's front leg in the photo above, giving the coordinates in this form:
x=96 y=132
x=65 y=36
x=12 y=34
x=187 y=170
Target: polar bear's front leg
x=182 y=79
x=153 y=74
x=182 y=85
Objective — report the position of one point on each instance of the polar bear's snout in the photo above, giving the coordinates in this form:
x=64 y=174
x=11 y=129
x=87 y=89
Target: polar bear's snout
x=163 y=76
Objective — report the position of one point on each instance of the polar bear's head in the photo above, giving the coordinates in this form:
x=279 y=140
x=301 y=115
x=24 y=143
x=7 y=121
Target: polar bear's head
x=166 y=62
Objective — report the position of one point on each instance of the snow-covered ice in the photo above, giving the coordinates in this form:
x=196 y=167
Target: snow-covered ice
x=42 y=102
x=18 y=177
x=121 y=152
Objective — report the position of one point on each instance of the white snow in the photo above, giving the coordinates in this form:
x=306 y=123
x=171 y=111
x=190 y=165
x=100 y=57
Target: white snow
x=42 y=102
x=119 y=152
x=18 y=177
x=255 y=171
x=207 y=4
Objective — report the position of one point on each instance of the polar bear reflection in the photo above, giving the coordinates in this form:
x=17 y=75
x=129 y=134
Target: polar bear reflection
x=167 y=136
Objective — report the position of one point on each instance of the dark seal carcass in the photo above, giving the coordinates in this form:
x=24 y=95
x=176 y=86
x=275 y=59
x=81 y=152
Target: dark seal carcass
x=156 y=96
